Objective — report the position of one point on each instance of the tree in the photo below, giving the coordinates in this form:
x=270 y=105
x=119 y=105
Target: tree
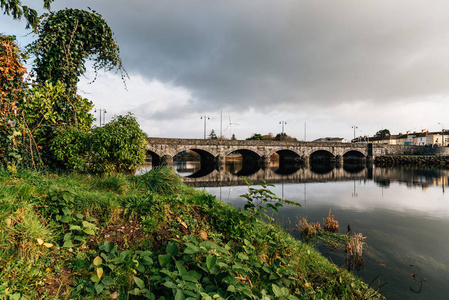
x=212 y=135
x=66 y=39
x=383 y=133
x=233 y=138
x=11 y=90
x=255 y=137
x=17 y=10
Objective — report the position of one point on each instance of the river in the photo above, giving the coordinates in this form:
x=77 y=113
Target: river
x=403 y=213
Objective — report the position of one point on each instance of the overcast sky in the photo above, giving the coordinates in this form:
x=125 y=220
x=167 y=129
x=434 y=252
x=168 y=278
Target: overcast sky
x=320 y=66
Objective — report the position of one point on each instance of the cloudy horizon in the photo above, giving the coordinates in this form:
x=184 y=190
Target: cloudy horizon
x=320 y=66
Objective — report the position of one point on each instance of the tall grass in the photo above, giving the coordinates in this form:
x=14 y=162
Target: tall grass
x=161 y=180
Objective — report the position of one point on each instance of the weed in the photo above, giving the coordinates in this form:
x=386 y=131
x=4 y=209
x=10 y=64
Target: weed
x=354 y=251
x=259 y=201
x=330 y=224
x=307 y=230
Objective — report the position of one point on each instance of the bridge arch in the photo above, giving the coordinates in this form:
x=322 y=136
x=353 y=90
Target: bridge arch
x=353 y=154
x=321 y=155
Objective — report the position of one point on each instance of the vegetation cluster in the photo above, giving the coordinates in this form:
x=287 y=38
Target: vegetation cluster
x=44 y=123
x=150 y=236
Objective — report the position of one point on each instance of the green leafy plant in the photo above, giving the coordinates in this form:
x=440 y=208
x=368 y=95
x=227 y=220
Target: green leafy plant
x=261 y=200
x=117 y=147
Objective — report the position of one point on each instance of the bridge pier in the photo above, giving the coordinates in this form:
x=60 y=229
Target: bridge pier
x=264 y=161
x=220 y=159
x=166 y=160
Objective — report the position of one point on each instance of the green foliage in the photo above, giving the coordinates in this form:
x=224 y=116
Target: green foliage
x=47 y=109
x=260 y=201
x=383 y=133
x=17 y=10
x=255 y=136
x=213 y=135
x=117 y=147
x=67 y=38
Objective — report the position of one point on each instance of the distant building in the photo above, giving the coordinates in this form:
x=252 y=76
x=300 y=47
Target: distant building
x=422 y=138
x=332 y=140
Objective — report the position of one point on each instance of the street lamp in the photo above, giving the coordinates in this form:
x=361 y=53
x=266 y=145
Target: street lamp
x=102 y=111
x=355 y=127
x=205 y=119
x=442 y=132
x=283 y=123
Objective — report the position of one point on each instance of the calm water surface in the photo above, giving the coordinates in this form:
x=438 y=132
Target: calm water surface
x=402 y=212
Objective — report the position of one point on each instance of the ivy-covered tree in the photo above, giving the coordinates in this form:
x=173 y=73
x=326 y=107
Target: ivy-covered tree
x=66 y=40
x=15 y=9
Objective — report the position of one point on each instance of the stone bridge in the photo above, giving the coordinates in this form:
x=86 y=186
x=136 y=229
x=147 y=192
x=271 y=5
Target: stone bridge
x=162 y=150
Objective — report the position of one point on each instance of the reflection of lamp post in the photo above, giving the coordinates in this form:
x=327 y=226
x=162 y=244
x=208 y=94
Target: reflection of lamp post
x=205 y=119
x=355 y=127
x=102 y=111
x=442 y=132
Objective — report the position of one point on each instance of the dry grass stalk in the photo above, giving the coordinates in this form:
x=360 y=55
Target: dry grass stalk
x=306 y=229
x=330 y=224
x=354 y=251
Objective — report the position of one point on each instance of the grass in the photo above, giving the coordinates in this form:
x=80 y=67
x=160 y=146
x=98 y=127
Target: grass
x=150 y=236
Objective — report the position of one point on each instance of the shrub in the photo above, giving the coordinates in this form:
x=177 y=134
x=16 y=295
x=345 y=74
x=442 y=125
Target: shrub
x=118 y=147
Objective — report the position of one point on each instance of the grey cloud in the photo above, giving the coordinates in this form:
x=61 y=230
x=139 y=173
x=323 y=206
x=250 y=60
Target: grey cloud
x=296 y=53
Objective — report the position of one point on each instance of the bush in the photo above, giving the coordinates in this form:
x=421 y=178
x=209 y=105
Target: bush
x=118 y=147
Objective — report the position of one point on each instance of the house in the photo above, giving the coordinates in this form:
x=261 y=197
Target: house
x=332 y=140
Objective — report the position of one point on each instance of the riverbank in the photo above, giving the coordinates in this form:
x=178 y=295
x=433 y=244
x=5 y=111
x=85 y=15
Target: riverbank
x=412 y=160
x=149 y=236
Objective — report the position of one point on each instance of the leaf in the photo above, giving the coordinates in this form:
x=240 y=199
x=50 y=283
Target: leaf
x=139 y=282
x=181 y=269
x=40 y=241
x=48 y=245
x=164 y=260
x=172 y=249
x=68 y=244
x=99 y=272
x=211 y=260
x=276 y=290
x=98 y=287
x=89 y=225
x=75 y=227
x=170 y=285
x=89 y=231
x=231 y=289
x=97 y=261
x=179 y=295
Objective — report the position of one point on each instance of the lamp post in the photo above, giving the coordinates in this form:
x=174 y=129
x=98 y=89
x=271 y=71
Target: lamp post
x=205 y=118
x=102 y=111
x=442 y=132
x=355 y=127
x=283 y=123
